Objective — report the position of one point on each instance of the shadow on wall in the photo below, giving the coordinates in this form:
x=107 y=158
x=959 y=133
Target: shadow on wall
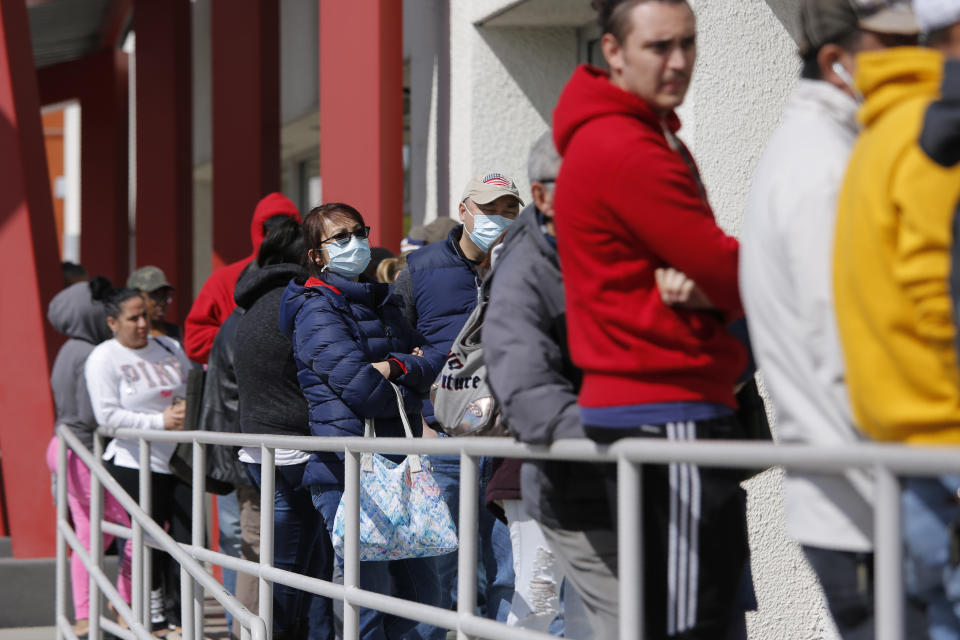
x=10 y=199
x=787 y=13
x=530 y=57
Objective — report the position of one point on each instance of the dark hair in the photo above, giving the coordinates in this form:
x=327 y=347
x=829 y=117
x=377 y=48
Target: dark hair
x=315 y=228
x=937 y=37
x=273 y=222
x=810 y=66
x=613 y=16
x=114 y=298
x=282 y=244
x=100 y=286
x=72 y=273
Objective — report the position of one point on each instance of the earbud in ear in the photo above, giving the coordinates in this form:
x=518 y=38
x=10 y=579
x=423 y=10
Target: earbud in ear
x=841 y=71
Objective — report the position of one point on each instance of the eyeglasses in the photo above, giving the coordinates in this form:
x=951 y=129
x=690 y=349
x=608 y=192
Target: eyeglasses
x=161 y=296
x=341 y=239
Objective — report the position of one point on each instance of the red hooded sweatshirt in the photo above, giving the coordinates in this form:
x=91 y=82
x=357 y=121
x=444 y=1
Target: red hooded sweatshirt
x=626 y=204
x=215 y=300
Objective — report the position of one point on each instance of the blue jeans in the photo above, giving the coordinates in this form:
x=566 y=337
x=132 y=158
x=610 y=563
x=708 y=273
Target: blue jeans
x=298 y=546
x=495 y=576
x=228 y=516
x=414 y=579
x=931 y=574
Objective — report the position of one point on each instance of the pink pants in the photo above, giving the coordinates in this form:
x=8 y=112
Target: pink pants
x=78 y=499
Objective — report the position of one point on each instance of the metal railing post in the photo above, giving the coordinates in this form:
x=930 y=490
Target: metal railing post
x=198 y=529
x=146 y=557
x=630 y=548
x=187 y=605
x=135 y=546
x=96 y=540
x=468 y=530
x=888 y=557
x=62 y=574
x=267 y=490
x=351 y=543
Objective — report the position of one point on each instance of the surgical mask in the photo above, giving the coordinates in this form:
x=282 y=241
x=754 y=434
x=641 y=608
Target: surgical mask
x=486 y=228
x=350 y=260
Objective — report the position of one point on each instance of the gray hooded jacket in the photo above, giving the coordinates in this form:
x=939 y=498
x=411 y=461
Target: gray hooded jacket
x=74 y=313
x=530 y=371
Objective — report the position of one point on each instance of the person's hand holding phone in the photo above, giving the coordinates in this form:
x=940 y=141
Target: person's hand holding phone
x=173 y=416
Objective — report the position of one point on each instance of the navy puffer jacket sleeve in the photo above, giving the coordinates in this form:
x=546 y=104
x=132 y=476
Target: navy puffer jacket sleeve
x=323 y=341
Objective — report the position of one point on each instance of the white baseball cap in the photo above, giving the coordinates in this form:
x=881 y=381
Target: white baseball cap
x=936 y=14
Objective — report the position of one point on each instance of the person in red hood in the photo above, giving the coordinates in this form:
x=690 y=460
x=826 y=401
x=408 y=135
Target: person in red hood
x=215 y=300
x=658 y=361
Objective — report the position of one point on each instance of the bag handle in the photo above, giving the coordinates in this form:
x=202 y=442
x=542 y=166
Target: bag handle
x=369 y=431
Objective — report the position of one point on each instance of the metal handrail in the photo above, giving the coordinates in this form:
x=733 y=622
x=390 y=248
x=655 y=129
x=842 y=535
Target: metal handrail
x=885 y=460
x=189 y=566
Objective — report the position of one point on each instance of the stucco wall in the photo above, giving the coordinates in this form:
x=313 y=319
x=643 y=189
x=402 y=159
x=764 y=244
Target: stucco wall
x=504 y=83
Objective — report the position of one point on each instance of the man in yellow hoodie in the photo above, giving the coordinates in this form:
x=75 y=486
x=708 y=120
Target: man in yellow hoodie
x=892 y=281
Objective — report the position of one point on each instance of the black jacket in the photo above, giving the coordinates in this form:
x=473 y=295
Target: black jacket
x=270 y=397
x=530 y=371
x=218 y=410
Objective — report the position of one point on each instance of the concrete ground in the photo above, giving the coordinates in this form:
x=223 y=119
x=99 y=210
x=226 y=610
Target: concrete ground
x=215 y=627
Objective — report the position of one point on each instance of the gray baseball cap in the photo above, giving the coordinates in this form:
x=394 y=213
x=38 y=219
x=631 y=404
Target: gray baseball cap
x=148 y=279
x=826 y=21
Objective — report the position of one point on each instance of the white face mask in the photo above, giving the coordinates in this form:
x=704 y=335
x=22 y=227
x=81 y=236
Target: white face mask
x=486 y=228
x=351 y=260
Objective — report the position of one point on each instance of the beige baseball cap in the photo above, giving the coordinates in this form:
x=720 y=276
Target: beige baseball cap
x=826 y=21
x=488 y=187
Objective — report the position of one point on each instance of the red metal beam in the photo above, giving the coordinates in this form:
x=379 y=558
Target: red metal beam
x=361 y=112
x=29 y=277
x=115 y=22
x=164 y=216
x=245 y=61
x=99 y=83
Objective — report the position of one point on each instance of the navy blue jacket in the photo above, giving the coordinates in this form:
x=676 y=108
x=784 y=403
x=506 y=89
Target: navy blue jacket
x=440 y=288
x=338 y=328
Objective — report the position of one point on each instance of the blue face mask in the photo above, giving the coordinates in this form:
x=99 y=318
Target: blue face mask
x=350 y=260
x=486 y=228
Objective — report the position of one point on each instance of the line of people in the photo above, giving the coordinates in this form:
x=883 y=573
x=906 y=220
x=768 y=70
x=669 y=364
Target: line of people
x=615 y=308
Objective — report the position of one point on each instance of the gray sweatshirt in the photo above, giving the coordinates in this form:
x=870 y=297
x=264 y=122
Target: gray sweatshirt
x=74 y=313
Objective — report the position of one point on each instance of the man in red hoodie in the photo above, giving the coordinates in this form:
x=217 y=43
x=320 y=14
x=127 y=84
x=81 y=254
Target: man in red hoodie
x=215 y=300
x=630 y=207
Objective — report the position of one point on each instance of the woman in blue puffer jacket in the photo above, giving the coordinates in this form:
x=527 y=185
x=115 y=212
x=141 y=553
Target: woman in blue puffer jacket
x=350 y=340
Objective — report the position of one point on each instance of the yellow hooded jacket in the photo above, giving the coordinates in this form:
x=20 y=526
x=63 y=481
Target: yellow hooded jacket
x=892 y=251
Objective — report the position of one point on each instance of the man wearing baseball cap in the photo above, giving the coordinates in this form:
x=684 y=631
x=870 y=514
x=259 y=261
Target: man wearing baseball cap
x=896 y=242
x=785 y=283
x=157 y=294
x=440 y=288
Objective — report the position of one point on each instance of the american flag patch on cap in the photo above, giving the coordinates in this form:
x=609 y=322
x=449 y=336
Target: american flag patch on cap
x=496 y=179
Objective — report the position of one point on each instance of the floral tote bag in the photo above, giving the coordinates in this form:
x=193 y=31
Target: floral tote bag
x=402 y=511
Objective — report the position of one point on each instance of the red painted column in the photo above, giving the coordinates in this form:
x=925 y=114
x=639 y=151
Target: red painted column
x=245 y=61
x=164 y=216
x=361 y=112
x=99 y=83
x=29 y=277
